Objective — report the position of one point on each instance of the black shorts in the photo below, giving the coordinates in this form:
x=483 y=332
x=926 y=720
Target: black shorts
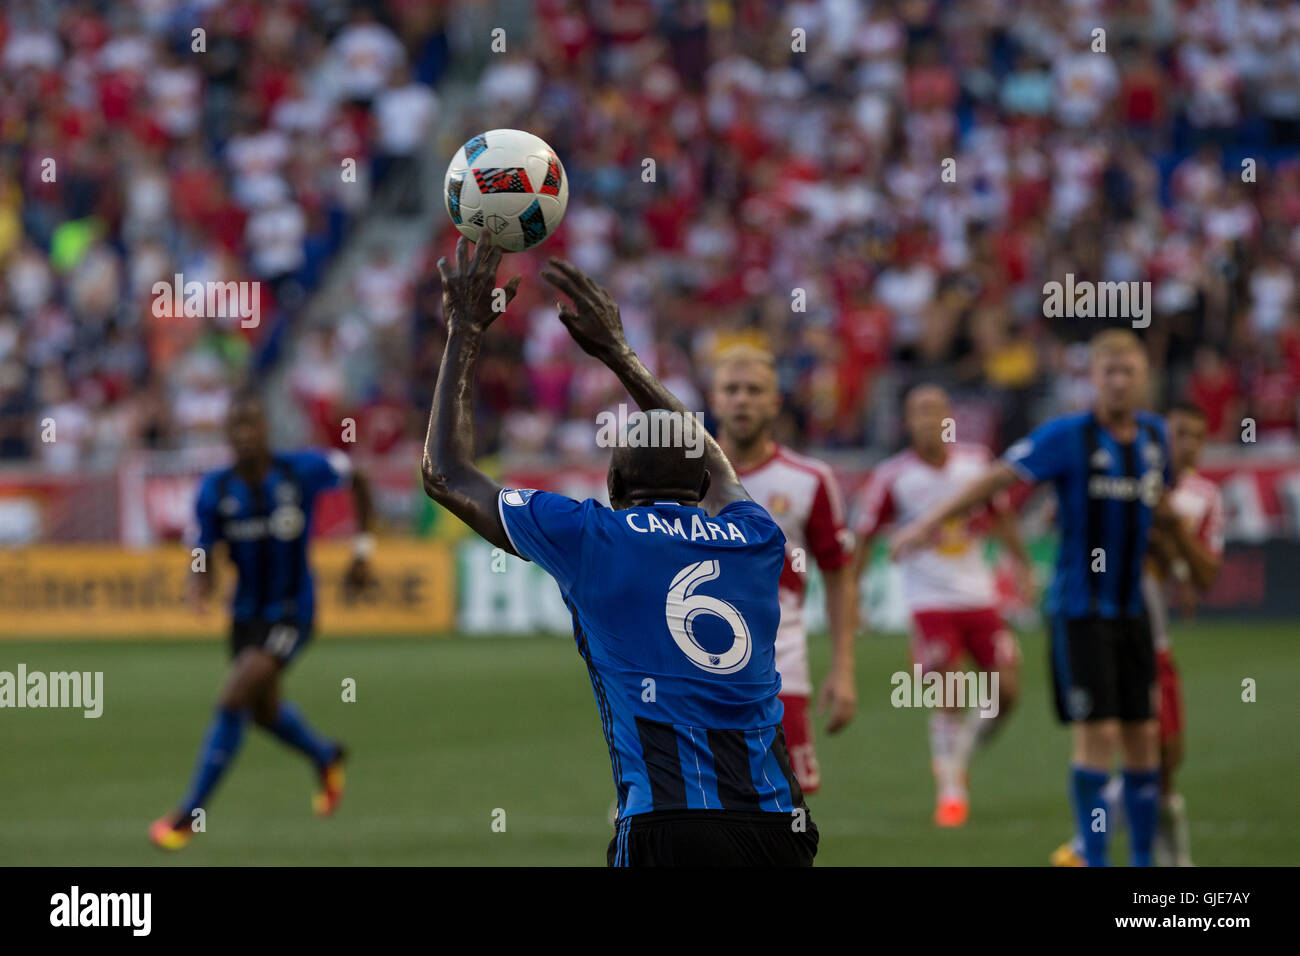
x=1103 y=669
x=714 y=838
x=282 y=640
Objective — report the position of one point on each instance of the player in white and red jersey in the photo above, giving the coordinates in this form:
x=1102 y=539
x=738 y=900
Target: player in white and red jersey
x=803 y=497
x=948 y=585
x=1172 y=578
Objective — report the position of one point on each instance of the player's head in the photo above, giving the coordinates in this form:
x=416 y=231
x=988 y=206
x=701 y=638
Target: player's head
x=246 y=427
x=744 y=397
x=1187 y=433
x=924 y=409
x=667 y=470
x=1119 y=370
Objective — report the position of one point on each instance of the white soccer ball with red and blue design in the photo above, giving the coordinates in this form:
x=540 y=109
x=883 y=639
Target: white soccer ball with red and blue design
x=507 y=186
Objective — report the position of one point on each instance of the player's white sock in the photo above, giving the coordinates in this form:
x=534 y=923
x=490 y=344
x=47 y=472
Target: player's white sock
x=946 y=731
x=967 y=739
x=978 y=731
x=1174 y=837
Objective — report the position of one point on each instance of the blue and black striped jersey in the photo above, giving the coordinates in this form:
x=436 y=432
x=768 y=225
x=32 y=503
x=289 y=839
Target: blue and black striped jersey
x=1106 y=492
x=675 y=613
x=265 y=527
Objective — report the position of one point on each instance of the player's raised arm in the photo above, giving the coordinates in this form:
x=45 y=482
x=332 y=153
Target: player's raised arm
x=359 y=576
x=450 y=476
x=999 y=476
x=1006 y=529
x=595 y=324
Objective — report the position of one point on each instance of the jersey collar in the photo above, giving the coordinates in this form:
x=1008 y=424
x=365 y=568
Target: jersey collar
x=776 y=450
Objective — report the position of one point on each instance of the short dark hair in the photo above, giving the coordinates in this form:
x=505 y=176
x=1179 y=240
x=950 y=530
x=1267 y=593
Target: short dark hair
x=914 y=387
x=665 y=471
x=1186 y=406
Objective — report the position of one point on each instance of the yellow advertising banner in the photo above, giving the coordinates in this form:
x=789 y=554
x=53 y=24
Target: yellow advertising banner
x=91 y=591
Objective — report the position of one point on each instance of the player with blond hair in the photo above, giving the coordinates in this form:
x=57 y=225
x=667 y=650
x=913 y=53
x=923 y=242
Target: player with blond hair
x=804 y=498
x=1111 y=469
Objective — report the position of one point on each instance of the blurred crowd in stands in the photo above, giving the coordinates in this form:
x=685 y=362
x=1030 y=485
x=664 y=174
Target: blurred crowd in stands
x=876 y=191
x=212 y=140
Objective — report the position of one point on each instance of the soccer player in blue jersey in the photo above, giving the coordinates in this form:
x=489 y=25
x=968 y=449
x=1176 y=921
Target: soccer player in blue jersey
x=1111 y=469
x=673 y=592
x=261 y=507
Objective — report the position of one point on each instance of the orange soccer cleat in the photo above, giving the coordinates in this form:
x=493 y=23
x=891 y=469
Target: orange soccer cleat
x=952 y=811
x=1067 y=855
x=171 y=832
x=326 y=800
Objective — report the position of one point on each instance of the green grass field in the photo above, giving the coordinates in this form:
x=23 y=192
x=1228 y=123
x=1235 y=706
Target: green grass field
x=446 y=731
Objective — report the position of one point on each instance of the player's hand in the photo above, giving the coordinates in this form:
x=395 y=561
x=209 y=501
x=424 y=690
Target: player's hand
x=1164 y=515
x=198 y=590
x=838 y=697
x=470 y=302
x=908 y=538
x=359 y=579
x=593 y=321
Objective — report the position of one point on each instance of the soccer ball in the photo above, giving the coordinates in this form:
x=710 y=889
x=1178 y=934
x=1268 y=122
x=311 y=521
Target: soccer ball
x=508 y=186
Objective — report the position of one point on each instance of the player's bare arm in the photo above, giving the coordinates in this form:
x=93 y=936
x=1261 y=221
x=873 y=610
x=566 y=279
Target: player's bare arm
x=838 y=697
x=1007 y=531
x=595 y=324
x=448 y=470
x=360 y=576
x=999 y=476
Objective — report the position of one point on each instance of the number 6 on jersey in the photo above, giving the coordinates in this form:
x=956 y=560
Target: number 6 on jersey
x=684 y=605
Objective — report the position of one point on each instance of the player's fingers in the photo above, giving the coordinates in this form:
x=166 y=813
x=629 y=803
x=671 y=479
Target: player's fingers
x=492 y=257
x=557 y=276
x=575 y=275
x=567 y=315
x=563 y=265
x=442 y=269
x=482 y=255
x=462 y=254
x=512 y=287
x=560 y=282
